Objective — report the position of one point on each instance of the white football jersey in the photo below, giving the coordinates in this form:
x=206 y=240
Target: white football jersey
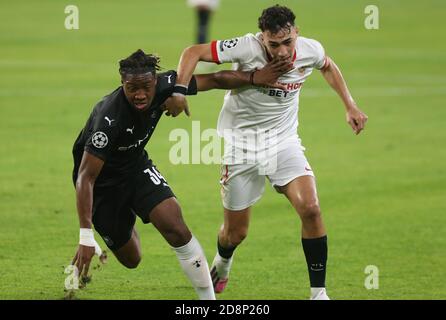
x=251 y=109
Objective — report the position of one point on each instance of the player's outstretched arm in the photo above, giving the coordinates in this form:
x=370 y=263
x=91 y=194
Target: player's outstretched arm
x=221 y=80
x=89 y=170
x=355 y=117
x=188 y=61
x=266 y=77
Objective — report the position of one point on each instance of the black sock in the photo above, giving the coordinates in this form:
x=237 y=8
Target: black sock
x=225 y=252
x=203 y=22
x=316 y=254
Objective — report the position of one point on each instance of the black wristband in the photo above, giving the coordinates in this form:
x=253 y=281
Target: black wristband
x=180 y=89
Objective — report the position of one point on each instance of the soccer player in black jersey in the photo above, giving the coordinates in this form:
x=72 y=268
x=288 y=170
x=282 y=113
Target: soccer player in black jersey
x=115 y=179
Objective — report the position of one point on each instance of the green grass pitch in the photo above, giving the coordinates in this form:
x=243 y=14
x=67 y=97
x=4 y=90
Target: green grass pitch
x=382 y=193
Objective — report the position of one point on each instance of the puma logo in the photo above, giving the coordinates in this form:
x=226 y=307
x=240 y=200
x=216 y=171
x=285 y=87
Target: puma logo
x=169 y=80
x=130 y=130
x=109 y=121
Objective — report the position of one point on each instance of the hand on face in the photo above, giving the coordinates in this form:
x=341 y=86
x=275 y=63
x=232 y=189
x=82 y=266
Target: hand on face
x=270 y=73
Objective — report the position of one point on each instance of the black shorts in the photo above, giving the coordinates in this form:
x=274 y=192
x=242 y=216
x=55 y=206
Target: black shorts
x=115 y=208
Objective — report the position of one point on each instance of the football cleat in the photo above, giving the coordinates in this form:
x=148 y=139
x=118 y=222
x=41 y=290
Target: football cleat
x=321 y=295
x=219 y=284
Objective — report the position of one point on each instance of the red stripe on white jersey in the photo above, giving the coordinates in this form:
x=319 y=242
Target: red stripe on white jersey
x=214 y=52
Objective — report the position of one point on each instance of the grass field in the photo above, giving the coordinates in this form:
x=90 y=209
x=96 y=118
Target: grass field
x=383 y=193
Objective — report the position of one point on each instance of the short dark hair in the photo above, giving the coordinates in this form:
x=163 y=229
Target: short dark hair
x=275 y=18
x=139 y=62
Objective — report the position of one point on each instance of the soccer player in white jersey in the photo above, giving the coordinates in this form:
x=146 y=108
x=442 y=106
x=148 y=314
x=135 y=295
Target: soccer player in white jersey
x=262 y=110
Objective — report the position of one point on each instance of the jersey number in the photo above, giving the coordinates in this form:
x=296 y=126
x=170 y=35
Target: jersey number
x=155 y=176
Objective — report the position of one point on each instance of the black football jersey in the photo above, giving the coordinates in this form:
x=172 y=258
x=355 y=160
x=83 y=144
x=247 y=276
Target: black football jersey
x=117 y=133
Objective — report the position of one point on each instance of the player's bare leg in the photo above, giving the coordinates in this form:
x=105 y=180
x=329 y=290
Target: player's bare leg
x=233 y=231
x=302 y=194
x=129 y=255
x=167 y=218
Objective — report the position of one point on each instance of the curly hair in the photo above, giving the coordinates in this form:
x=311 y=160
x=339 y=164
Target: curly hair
x=139 y=62
x=276 y=18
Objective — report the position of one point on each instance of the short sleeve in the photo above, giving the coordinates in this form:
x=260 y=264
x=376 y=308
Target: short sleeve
x=232 y=50
x=317 y=53
x=166 y=83
x=103 y=136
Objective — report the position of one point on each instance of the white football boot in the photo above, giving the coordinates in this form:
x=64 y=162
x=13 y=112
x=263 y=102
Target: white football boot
x=319 y=294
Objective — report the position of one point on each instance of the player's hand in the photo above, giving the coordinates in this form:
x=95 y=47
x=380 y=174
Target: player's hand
x=175 y=105
x=356 y=118
x=270 y=73
x=82 y=260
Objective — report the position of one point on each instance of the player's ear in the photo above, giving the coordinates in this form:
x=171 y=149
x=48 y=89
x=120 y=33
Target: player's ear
x=262 y=36
x=297 y=30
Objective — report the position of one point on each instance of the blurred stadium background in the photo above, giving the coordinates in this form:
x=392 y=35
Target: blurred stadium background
x=382 y=193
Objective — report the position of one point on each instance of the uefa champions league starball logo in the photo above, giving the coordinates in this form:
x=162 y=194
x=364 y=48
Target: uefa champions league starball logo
x=99 y=139
x=229 y=44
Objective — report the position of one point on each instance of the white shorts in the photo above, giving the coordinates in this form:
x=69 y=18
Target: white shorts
x=211 y=4
x=243 y=184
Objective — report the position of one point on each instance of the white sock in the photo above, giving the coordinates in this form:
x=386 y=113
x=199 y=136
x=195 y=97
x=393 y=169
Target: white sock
x=316 y=291
x=223 y=265
x=195 y=266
